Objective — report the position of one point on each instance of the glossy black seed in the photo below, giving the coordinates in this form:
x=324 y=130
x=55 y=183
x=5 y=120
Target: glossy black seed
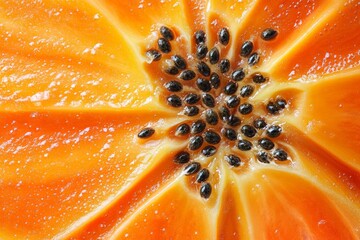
x=253 y=59
x=212 y=137
x=182 y=157
x=280 y=154
x=245 y=108
x=201 y=51
x=172 y=70
x=230 y=88
x=179 y=61
x=272 y=108
x=167 y=33
x=146 y=132
x=224 y=65
x=173 y=86
x=203 y=85
x=229 y=133
x=246 y=48
x=182 y=129
x=273 y=131
x=203 y=69
x=164 y=45
x=202 y=175
x=263 y=157
x=153 y=54
x=258 y=78
x=238 y=75
x=224 y=113
x=214 y=55
x=248 y=131
x=215 y=80
x=259 y=123
x=244 y=145
x=195 y=142
x=246 y=91
x=198 y=126
x=233 y=160
x=200 y=37
x=191 y=111
x=205 y=190
x=234 y=121
x=211 y=117
x=232 y=101
x=192 y=168
x=192 y=98
x=269 y=34
x=187 y=75
x=208 y=151
x=208 y=100
x=281 y=103
x=266 y=143
x=224 y=36
x=174 y=101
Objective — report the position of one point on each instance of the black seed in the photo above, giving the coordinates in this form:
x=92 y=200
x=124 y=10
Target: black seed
x=280 y=154
x=172 y=70
x=167 y=33
x=281 y=103
x=208 y=151
x=173 y=86
x=203 y=69
x=234 y=121
x=224 y=36
x=224 y=113
x=232 y=101
x=179 y=61
x=211 y=117
x=191 y=111
x=246 y=48
x=246 y=91
x=203 y=85
x=192 y=168
x=272 y=108
x=215 y=80
x=238 y=75
x=200 y=37
x=201 y=51
x=182 y=157
x=198 y=127
x=266 y=143
x=205 y=190
x=259 y=123
x=258 y=78
x=248 y=131
x=153 y=54
x=224 y=65
x=263 y=157
x=182 y=129
x=273 y=131
x=229 y=133
x=146 y=132
x=214 y=55
x=269 y=34
x=164 y=45
x=212 y=137
x=202 y=175
x=191 y=98
x=230 y=88
x=245 y=108
x=208 y=100
x=244 y=145
x=233 y=160
x=187 y=75
x=253 y=59
x=174 y=101
x=195 y=142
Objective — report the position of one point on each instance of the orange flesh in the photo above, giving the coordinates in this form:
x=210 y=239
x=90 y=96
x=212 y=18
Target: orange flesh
x=76 y=90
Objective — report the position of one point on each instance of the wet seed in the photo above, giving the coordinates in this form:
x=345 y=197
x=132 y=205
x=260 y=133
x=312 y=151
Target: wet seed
x=208 y=100
x=263 y=157
x=167 y=33
x=246 y=48
x=229 y=133
x=280 y=154
x=238 y=75
x=259 y=123
x=201 y=51
x=200 y=37
x=246 y=91
x=187 y=75
x=212 y=137
x=179 y=61
x=258 y=78
x=195 y=142
x=272 y=108
x=244 y=145
x=266 y=143
x=203 y=85
x=253 y=59
x=208 y=151
x=192 y=98
x=164 y=45
x=245 y=108
x=273 y=131
x=192 y=168
x=269 y=34
x=172 y=70
x=182 y=157
x=198 y=126
x=224 y=36
x=205 y=190
x=203 y=69
x=224 y=65
x=146 y=132
x=232 y=101
x=214 y=55
x=215 y=80
x=224 y=113
x=173 y=86
x=234 y=121
x=191 y=111
x=202 y=175
x=230 y=88
x=211 y=117
x=233 y=160
x=248 y=131
x=182 y=129
x=153 y=54
x=174 y=101
x=281 y=103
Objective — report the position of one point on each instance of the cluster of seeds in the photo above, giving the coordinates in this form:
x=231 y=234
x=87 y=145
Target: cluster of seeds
x=216 y=100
